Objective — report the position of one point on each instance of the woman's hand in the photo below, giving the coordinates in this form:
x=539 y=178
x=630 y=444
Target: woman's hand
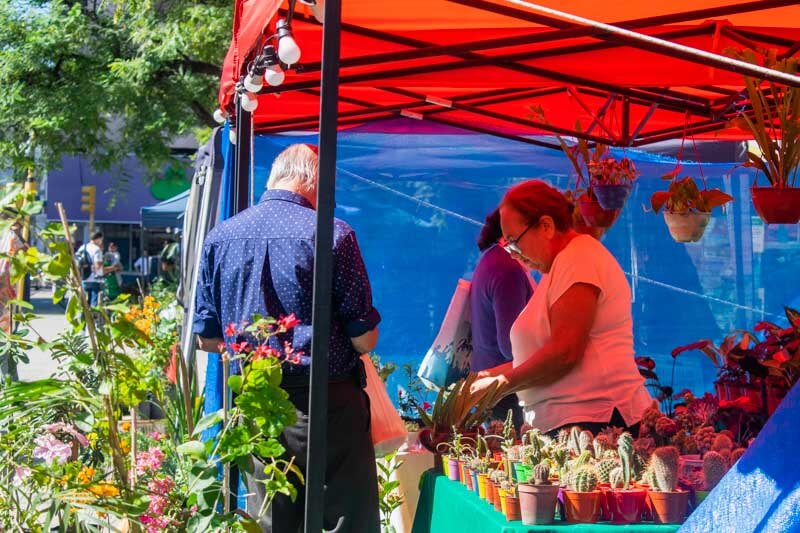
x=482 y=384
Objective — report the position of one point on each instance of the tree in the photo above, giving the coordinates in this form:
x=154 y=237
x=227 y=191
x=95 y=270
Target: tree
x=106 y=79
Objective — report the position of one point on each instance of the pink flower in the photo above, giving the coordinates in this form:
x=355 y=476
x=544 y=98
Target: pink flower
x=241 y=347
x=426 y=405
x=149 y=462
x=21 y=473
x=289 y=322
x=155 y=435
x=263 y=351
x=230 y=330
x=50 y=449
x=69 y=430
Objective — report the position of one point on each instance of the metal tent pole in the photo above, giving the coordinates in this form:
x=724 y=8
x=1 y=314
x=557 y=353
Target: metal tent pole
x=323 y=266
x=244 y=135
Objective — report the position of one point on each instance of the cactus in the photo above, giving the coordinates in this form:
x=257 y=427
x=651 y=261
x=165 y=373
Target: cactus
x=616 y=479
x=736 y=455
x=535 y=446
x=648 y=477
x=585 y=441
x=604 y=469
x=722 y=442
x=610 y=454
x=541 y=474
x=582 y=460
x=573 y=443
x=563 y=436
x=639 y=466
x=601 y=444
x=714 y=467
x=625 y=449
x=664 y=463
x=584 y=480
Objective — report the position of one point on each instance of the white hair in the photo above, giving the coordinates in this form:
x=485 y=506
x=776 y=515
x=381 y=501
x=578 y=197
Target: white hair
x=296 y=168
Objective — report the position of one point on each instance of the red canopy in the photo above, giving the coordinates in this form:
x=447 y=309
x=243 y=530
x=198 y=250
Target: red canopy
x=491 y=66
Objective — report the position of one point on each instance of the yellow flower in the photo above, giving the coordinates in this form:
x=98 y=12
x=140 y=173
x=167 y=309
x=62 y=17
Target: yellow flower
x=125 y=446
x=104 y=490
x=126 y=426
x=86 y=475
x=92 y=437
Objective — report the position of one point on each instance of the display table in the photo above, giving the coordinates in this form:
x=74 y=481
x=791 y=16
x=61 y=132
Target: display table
x=446 y=506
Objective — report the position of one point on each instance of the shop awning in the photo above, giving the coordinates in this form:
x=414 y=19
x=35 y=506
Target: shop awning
x=483 y=65
x=167 y=214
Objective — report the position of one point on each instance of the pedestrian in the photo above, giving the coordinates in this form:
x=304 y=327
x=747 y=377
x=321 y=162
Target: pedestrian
x=261 y=262
x=112 y=282
x=90 y=260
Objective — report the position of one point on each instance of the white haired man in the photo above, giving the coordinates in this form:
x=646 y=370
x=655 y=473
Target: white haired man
x=261 y=261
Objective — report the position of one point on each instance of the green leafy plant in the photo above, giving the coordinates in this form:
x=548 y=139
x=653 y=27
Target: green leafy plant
x=683 y=196
x=389 y=495
x=774 y=121
x=456 y=407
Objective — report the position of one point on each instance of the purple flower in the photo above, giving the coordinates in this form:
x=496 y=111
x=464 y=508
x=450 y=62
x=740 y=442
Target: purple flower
x=49 y=449
x=69 y=430
x=21 y=473
x=149 y=461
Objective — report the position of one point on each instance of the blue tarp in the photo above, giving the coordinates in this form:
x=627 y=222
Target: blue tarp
x=416 y=201
x=167 y=214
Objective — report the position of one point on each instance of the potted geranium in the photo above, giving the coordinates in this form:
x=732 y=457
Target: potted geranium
x=774 y=122
x=687 y=208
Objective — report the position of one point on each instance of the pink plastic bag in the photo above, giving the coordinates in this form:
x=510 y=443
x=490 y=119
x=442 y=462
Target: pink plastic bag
x=388 y=429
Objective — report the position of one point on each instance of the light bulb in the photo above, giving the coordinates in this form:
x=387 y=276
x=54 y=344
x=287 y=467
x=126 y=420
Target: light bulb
x=232 y=135
x=254 y=82
x=220 y=116
x=274 y=75
x=249 y=101
x=288 y=51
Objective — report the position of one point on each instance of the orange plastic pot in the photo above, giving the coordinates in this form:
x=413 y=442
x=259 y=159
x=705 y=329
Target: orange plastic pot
x=498 y=499
x=581 y=507
x=512 y=509
x=625 y=506
x=669 y=507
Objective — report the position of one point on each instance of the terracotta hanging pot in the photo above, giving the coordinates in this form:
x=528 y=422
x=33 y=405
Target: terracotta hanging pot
x=669 y=507
x=538 y=503
x=612 y=196
x=582 y=507
x=687 y=227
x=777 y=205
x=512 y=510
x=625 y=506
x=594 y=215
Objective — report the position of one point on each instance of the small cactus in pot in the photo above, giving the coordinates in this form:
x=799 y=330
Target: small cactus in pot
x=669 y=505
x=601 y=445
x=573 y=443
x=714 y=468
x=616 y=479
x=664 y=463
x=584 y=480
x=626 y=457
x=541 y=474
x=582 y=500
x=585 y=441
x=604 y=469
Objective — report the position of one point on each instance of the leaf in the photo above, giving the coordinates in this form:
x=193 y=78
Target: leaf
x=658 y=199
x=207 y=422
x=715 y=198
x=235 y=383
x=193 y=448
x=270 y=448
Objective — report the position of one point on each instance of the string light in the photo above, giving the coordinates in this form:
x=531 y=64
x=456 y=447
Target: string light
x=288 y=51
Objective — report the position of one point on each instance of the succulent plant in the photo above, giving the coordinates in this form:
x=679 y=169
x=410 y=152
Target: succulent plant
x=583 y=480
x=535 y=446
x=664 y=463
x=626 y=454
x=722 y=442
x=714 y=468
x=610 y=454
x=736 y=455
x=498 y=476
x=666 y=427
x=563 y=436
x=616 y=479
x=507 y=485
x=573 y=443
x=604 y=469
x=585 y=441
x=583 y=459
x=705 y=437
x=601 y=445
x=648 y=477
x=541 y=474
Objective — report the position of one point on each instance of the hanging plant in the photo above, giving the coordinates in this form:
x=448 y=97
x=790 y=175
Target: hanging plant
x=687 y=208
x=774 y=123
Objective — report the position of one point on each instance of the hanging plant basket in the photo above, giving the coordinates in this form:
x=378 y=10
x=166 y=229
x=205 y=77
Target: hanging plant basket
x=777 y=205
x=687 y=227
x=613 y=196
x=594 y=215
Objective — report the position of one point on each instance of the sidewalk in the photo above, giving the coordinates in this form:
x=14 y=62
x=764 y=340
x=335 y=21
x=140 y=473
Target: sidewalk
x=51 y=323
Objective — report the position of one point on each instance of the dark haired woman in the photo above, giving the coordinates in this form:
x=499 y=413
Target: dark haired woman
x=501 y=288
x=573 y=342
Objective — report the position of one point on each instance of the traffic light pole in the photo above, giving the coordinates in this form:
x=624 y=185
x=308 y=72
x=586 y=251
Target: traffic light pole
x=88 y=199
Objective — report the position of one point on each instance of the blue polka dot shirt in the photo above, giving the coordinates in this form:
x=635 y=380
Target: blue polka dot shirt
x=261 y=261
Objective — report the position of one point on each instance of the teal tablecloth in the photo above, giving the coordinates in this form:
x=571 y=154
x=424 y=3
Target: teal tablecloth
x=447 y=507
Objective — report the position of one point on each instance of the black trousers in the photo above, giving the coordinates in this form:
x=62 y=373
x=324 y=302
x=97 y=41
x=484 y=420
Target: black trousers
x=595 y=427
x=351 y=485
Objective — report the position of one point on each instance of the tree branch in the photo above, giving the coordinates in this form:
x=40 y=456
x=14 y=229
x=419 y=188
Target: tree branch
x=198 y=67
x=203 y=114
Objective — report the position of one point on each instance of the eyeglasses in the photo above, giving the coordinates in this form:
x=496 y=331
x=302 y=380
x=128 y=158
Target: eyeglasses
x=511 y=245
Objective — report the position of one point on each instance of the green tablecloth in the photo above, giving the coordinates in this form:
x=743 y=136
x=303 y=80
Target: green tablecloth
x=446 y=506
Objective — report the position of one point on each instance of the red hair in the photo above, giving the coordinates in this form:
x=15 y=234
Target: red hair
x=534 y=199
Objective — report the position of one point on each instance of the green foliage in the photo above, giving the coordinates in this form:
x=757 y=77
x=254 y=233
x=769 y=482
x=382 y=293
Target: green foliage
x=384 y=369
x=389 y=496
x=684 y=196
x=456 y=407
x=106 y=78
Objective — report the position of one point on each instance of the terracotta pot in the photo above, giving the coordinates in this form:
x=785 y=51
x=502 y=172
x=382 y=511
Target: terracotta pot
x=686 y=227
x=594 y=215
x=603 y=511
x=581 y=507
x=612 y=196
x=491 y=491
x=777 y=205
x=625 y=506
x=498 y=499
x=538 y=503
x=482 y=479
x=512 y=510
x=453 y=471
x=468 y=478
x=647 y=511
x=669 y=507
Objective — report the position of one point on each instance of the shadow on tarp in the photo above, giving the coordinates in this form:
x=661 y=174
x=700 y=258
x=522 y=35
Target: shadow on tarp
x=761 y=493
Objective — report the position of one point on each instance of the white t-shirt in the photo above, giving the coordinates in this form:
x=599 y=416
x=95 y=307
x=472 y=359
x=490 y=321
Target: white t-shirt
x=606 y=376
x=96 y=256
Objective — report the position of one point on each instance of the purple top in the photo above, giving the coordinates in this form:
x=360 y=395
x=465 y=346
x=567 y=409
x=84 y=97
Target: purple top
x=500 y=291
